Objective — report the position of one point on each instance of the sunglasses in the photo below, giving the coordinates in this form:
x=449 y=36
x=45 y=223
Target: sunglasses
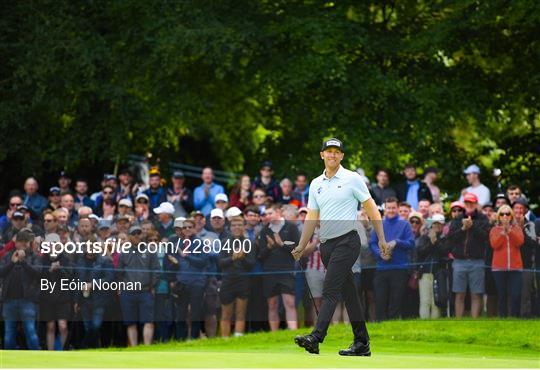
x=47 y=220
x=187 y=227
x=506 y=214
x=136 y=233
x=15 y=204
x=107 y=192
x=457 y=210
x=415 y=222
x=143 y=201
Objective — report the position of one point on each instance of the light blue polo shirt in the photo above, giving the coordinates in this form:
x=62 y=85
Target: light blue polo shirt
x=337 y=199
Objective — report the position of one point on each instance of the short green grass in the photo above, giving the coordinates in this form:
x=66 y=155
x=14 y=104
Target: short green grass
x=397 y=344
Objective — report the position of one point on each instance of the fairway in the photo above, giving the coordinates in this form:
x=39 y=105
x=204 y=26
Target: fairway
x=402 y=344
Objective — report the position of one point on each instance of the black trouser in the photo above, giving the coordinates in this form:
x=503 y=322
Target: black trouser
x=390 y=286
x=338 y=256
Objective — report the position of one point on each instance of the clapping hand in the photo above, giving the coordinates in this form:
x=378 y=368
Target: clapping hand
x=278 y=240
x=270 y=242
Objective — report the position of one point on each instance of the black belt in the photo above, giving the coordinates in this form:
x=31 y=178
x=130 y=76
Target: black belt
x=353 y=231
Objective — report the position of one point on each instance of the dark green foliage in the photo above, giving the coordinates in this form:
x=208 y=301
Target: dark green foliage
x=436 y=82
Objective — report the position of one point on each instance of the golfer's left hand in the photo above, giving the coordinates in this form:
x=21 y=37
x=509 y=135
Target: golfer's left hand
x=384 y=248
x=297 y=253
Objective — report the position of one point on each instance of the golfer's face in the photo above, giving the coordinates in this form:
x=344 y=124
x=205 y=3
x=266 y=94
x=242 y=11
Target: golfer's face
x=332 y=157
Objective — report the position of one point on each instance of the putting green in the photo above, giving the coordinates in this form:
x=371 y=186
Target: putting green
x=399 y=344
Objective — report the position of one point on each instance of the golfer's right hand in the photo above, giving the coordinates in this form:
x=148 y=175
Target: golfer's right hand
x=297 y=253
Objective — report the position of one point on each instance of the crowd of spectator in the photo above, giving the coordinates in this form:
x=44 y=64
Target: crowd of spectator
x=479 y=256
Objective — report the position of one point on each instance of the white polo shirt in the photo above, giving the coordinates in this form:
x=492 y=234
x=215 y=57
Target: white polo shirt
x=337 y=199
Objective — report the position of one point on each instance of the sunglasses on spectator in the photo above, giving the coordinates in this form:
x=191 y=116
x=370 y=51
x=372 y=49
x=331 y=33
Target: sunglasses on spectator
x=457 y=210
x=415 y=222
x=15 y=204
x=187 y=227
x=136 y=233
x=47 y=220
x=107 y=192
x=142 y=201
x=506 y=214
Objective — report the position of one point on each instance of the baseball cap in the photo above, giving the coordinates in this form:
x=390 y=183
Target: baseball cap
x=23 y=208
x=109 y=176
x=179 y=222
x=488 y=204
x=17 y=214
x=332 y=143
x=141 y=196
x=122 y=218
x=55 y=190
x=93 y=217
x=221 y=197
x=417 y=215
x=104 y=224
x=472 y=169
x=178 y=175
x=63 y=174
x=521 y=200
x=266 y=164
x=216 y=212
x=154 y=171
x=164 y=207
x=501 y=196
x=196 y=213
x=233 y=212
x=125 y=202
x=437 y=218
x=470 y=197
x=25 y=235
x=457 y=203
x=303 y=209
x=134 y=228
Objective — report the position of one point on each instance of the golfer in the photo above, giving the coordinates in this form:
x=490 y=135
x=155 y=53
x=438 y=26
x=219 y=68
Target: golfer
x=333 y=200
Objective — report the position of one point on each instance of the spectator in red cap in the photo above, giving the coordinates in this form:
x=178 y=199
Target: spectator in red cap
x=457 y=209
x=468 y=241
x=506 y=239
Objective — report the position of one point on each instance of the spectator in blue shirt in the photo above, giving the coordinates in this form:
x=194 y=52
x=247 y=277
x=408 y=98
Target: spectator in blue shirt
x=392 y=268
x=156 y=193
x=412 y=190
x=15 y=201
x=32 y=199
x=204 y=194
x=302 y=188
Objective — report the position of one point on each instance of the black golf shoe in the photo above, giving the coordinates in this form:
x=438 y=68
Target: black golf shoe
x=308 y=342
x=356 y=349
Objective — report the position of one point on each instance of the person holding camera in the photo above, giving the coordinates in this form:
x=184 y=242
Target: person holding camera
x=430 y=255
